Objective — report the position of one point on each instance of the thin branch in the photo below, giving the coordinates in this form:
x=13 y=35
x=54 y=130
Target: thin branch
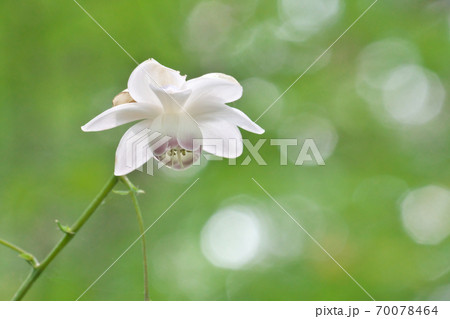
x=133 y=193
x=36 y=272
x=22 y=253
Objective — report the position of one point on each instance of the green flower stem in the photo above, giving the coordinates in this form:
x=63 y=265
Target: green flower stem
x=68 y=235
x=133 y=193
x=22 y=253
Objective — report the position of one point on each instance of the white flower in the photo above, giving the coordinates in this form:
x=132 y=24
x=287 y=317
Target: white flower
x=182 y=111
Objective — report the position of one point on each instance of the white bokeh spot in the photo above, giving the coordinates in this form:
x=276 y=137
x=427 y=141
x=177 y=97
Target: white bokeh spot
x=413 y=95
x=425 y=214
x=231 y=238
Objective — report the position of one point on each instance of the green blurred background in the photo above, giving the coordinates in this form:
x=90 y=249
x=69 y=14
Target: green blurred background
x=375 y=104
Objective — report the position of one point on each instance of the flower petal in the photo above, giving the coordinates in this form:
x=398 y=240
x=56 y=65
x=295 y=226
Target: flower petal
x=239 y=118
x=172 y=101
x=215 y=86
x=121 y=114
x=211 y=110
x=221 y=138
x=167 y=126
x=189 y=134
x=158 y=148
x=149 y=75
x=134 y=148
x=232 y=115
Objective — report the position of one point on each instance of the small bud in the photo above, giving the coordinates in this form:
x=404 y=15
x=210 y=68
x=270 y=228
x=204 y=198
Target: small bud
x=65 y=229
x=122 y=98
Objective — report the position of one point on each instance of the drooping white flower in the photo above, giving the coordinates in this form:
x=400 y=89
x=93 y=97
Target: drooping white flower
x=182 y=112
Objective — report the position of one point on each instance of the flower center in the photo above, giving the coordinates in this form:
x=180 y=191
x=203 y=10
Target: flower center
x=177 y=157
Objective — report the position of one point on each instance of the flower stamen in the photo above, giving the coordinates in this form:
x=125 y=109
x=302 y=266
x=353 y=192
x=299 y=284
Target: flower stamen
x=178 y=158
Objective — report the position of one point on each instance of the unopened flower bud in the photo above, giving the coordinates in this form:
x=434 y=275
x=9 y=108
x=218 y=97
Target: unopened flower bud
x=123 y=98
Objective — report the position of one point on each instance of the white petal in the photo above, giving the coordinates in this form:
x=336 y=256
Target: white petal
x=239 y=118
x=172 y=101
x=167 y=126
x=121 y=114
x=215 y=86
x=156 y=126
x=134 y=149
x=221 y=139
x=189 y=134
x=214 y=110
x=229 y=114
x=149 y=75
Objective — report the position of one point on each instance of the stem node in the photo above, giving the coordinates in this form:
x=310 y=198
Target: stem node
x=22 y=253
x=69 y=233
x=64 y=228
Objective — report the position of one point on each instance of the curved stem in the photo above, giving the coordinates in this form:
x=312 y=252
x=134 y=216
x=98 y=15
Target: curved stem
x=68 y=235
x=133 y=193
x=22 y=253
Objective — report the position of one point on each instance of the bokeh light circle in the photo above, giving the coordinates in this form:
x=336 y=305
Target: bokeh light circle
x=231 y=238
x=425 y=214
x=413 y=95
x=303 y=18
